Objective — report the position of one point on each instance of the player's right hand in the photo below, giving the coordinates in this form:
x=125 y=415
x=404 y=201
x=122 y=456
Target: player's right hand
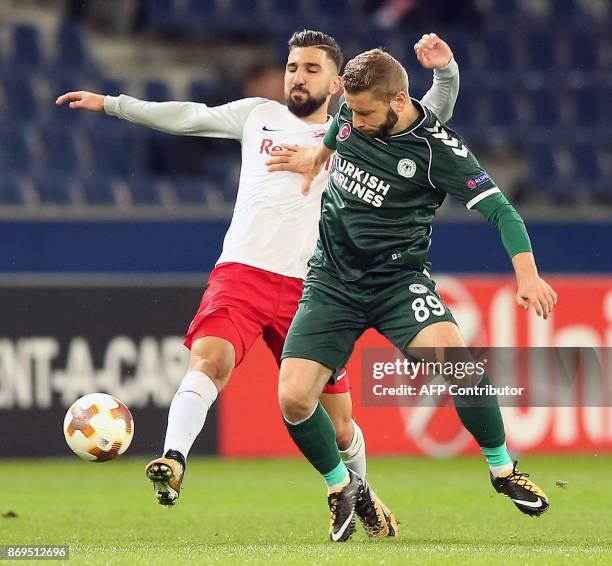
x=83 y=100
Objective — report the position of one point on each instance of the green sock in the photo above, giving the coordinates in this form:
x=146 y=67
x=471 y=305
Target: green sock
x=316 y=438
x=480 y=414
x=336 y=475
x=497 y=457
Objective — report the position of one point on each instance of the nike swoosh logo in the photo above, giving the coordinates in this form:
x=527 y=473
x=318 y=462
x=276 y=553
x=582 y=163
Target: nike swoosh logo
x=266 y=129
x=340 y=532
x=534 y=504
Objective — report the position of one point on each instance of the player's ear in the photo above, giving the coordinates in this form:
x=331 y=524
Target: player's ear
x=336 y=86
x=398 y=101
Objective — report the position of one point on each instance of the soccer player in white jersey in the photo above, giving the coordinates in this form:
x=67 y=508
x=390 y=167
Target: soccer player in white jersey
x=257 y=281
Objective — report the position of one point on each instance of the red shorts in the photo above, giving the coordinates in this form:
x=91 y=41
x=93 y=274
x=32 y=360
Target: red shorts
x=242 y=303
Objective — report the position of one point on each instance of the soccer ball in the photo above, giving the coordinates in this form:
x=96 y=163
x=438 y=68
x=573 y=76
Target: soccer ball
x=98 y=427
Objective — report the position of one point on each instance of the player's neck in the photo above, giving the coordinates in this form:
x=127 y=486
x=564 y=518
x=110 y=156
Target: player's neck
x=406 y=118
x=319 y=116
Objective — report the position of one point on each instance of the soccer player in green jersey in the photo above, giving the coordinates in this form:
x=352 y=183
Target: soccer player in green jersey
x=228 y=321
x=395 y=163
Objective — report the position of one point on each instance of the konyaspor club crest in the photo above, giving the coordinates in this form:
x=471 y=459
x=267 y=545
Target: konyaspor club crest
x=418 y=289
x=406 y=168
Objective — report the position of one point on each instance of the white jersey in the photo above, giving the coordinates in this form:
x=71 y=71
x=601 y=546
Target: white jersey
x=274 y=227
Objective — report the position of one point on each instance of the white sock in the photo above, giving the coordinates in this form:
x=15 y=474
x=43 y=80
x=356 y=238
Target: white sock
x=188 y=411
x=497 y=471
x=355 y=455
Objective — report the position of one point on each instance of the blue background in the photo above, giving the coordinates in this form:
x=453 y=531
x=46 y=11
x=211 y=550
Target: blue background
x=193 y=247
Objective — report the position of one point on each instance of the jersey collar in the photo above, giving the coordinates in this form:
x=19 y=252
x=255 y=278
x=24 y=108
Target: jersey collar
x=417 y=123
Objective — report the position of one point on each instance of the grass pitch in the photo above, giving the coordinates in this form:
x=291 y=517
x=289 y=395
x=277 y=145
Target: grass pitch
x=274 y=512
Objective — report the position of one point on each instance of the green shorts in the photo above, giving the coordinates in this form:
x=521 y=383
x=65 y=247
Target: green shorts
x=333 y=314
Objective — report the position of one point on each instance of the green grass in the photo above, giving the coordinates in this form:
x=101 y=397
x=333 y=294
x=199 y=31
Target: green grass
x=274 y=512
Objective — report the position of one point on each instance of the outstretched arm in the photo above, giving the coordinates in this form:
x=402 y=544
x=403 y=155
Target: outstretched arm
x=179 y=118
x=434 y=53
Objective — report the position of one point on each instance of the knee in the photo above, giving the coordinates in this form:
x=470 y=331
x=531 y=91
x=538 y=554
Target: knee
x=299 y=387
x=219 y=373
x=213 y=356
x=295 y=404
x=205 y=365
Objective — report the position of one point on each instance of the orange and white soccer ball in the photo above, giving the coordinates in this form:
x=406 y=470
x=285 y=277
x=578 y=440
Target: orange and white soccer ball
x=98 y=427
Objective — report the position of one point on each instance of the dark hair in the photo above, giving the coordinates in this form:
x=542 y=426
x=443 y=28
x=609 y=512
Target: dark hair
x=311 y=38
x=376 y=70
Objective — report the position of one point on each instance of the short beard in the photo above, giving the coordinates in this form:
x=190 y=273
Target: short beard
x=306 y=108
x=388 y=125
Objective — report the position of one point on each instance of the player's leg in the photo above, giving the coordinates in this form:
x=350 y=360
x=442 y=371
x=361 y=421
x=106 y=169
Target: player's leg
x=322 y=335
x=223 y=329
x=300 y=385
x=413 y=316
x=320 y=339
x=349 y=436
x=336 y=398
x=376 y=517
x=481 y=416
x=211 y=362
x=319 y=342
x=339 y=406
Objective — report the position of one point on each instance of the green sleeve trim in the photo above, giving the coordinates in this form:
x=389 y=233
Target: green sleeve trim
x=330 y=137
x=499 y=212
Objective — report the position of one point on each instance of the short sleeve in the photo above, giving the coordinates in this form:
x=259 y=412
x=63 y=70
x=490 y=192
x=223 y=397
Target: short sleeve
x=330 y=137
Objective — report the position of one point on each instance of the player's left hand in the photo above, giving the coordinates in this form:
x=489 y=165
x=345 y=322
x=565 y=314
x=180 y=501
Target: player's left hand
x=432 y=52
x=534 y=291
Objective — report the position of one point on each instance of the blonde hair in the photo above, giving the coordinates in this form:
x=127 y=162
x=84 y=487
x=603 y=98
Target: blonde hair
x=375 y=70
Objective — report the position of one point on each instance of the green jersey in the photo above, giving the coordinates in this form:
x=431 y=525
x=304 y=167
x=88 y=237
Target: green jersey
x=382 y=194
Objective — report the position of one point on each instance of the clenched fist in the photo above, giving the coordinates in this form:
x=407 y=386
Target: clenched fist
x=432 y=52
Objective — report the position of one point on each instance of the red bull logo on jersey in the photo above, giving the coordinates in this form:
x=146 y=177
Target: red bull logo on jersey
x=268 y=145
